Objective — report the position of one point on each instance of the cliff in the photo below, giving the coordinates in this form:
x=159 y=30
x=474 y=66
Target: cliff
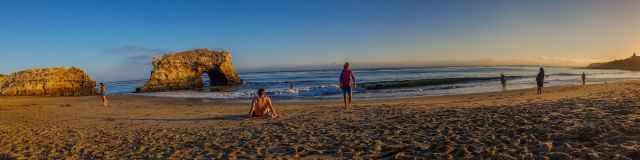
x=183 y=70
x=631 y=63
x=58 y=81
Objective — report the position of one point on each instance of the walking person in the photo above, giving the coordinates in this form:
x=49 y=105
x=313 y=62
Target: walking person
x=540 y=80
x=347 y=82
x=584 y=78
x=503 y=81
x=103 y=95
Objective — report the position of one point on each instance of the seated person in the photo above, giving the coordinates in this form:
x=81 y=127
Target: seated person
x=261 y=106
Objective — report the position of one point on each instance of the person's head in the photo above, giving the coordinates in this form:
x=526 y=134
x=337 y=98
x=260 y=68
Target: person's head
x=101 y=84
x=261 y=92
x=347 y=65
x=541 y=69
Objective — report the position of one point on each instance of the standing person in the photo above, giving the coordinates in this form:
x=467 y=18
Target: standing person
x=584 y=78
x=261 y=106
x=503 y=80
x=347 y=82
x=103 y=95
x=540 y=80
x=290 y=85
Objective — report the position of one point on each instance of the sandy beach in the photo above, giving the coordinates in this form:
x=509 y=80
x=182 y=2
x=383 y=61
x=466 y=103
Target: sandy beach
x=570 y=122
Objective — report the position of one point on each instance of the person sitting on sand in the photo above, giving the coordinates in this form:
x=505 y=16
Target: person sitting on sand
x=540 y=80
x=261 y=106
x=103 y=95
x=347 y=82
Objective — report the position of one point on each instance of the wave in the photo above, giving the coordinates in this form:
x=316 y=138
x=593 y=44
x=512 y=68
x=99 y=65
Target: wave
x=565 y=74
x=428 y=82
x=278 y=93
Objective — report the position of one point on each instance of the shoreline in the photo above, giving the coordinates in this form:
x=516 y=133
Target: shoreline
x=378 y=99
x=591 y=122
x=332 y=100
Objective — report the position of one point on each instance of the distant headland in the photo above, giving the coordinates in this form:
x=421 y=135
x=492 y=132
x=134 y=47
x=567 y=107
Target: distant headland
x=631 y=63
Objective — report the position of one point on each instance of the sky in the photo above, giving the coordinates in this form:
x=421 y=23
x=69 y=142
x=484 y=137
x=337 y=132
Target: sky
x=116 y=39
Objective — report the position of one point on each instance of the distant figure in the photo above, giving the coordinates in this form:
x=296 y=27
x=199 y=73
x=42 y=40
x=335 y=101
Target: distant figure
x=103 y=95
x=347 y=82
x=290 y=85
x=503 y=80
x=584 y=78
x=540 y=80
x=261 y=106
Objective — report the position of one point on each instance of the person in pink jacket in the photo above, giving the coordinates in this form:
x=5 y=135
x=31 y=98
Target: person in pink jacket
x=347 y=82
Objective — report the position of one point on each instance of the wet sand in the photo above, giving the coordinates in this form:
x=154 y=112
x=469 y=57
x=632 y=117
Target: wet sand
x=586 y=122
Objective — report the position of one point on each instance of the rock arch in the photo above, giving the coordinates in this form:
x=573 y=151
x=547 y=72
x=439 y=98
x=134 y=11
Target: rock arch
x=183 y=70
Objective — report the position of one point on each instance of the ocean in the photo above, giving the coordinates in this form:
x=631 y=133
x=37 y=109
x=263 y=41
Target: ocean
x=433 y=81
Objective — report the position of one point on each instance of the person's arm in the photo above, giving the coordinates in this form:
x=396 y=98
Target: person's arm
x=353 y=78
x=253 y=105
x=340 y=79
x=274 y=113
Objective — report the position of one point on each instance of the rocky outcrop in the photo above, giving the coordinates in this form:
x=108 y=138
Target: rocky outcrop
x=58 y=81
x=631 y=63
x=183 y=70
x=2 y=78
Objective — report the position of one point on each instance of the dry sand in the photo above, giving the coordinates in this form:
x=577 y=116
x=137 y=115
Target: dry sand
x=574 y=122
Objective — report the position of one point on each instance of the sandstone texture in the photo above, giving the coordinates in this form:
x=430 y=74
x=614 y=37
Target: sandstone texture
x=58 y=81
x=2 y=78
x=183 y=70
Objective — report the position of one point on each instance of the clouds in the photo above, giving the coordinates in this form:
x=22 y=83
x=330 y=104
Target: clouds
x=133 y=62
x=136 y=54
x=133 y=49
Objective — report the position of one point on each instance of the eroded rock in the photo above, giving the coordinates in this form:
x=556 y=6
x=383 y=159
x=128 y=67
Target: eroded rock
x=183 y=70
x=58 y=81
x=2 y=78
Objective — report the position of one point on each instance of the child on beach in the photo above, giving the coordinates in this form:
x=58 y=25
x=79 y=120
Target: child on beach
x=540 y=80
x=347 y=82
x=261 y=106
x=103 y=95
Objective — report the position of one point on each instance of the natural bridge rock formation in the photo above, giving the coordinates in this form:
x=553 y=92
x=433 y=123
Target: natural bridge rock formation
x=183 y=70
x=58 y=81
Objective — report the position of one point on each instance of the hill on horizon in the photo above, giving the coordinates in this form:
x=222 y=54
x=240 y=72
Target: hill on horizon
x=631 y=63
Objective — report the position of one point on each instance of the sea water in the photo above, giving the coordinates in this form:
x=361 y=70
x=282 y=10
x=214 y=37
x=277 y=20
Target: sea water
x=323 y=84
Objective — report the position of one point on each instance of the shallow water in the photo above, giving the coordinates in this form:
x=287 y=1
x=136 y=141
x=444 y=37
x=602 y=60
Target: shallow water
x=322 y=84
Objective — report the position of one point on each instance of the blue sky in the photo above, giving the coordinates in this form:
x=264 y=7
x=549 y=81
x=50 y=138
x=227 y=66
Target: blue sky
x=115 y=40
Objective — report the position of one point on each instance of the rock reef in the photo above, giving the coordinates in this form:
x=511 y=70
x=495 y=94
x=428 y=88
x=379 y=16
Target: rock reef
x=183 y=70
x=631 y=63
x=58 y=81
